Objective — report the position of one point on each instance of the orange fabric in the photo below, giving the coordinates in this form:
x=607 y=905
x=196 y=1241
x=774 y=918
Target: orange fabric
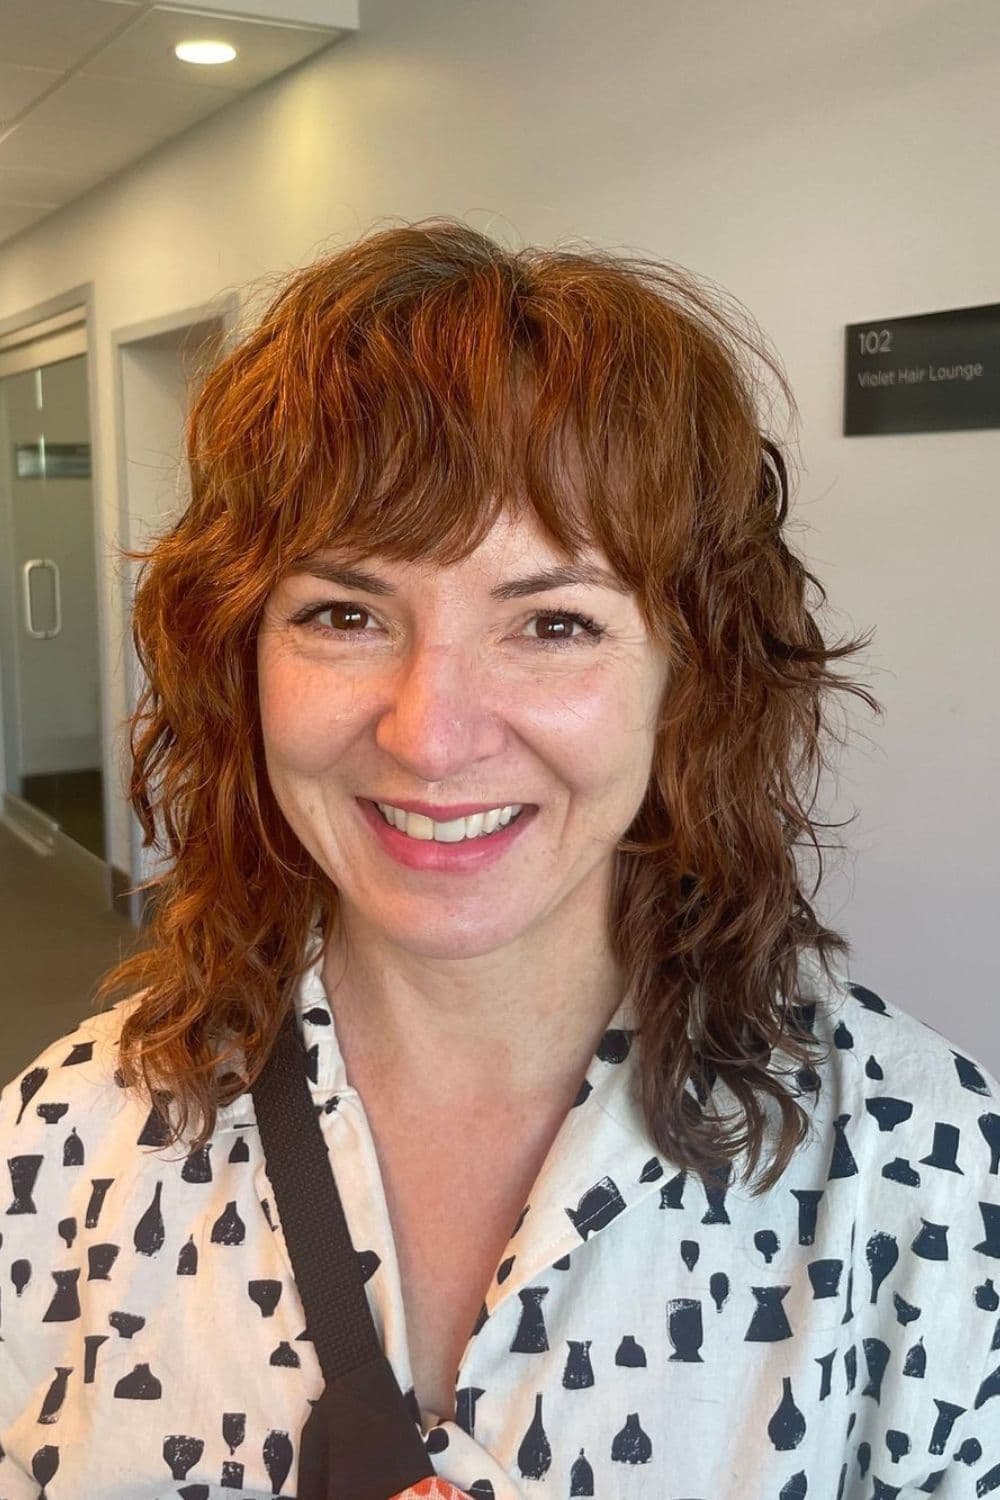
x=431 y=1489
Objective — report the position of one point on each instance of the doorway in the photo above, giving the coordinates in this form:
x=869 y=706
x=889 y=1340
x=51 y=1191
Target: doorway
x=50 y=685
x=158 y=367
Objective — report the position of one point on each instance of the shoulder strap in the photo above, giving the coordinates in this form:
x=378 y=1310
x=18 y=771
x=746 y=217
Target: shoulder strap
x=360 y=1442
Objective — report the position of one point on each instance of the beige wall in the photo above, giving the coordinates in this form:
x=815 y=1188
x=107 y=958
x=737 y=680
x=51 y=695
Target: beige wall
x=825 y=163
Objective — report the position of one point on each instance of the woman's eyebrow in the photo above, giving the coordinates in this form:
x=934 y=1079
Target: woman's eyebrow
x=514 y=588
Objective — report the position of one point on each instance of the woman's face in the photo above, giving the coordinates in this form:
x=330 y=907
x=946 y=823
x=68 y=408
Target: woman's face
x=446 y=688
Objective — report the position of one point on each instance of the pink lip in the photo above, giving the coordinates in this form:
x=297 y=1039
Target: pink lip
x=425 y=854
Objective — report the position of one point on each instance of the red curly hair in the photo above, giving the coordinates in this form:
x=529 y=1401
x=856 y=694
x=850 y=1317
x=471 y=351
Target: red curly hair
x=380 y=405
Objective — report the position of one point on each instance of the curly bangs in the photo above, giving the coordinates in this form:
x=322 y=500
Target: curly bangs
x=396 y=398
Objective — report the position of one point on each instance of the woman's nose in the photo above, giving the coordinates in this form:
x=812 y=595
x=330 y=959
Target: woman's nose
x=436 y=715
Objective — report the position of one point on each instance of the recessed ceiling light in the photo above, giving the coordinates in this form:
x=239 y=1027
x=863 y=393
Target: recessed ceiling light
x=205 y=52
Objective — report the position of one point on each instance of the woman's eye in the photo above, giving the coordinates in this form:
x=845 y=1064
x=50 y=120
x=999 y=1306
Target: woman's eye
x=344 y=617
x=589 y=629
x=340 y=614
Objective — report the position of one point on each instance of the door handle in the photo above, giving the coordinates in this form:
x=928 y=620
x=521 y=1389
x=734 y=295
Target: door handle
x=29 y=623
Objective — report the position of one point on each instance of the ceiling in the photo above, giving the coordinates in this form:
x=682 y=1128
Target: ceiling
x=89 y=86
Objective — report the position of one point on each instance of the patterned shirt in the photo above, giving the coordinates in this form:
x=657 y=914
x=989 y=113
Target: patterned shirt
x=643 y=1338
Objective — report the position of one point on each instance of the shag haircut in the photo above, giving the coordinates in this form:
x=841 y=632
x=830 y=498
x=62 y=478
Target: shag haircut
x=397 y=397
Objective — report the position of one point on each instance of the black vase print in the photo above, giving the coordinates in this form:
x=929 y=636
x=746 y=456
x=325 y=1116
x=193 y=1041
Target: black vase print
x=52 y=1113
x=266 y=1295
x=824 y=1276
x=787 y=1426
x=139 y=1385
x=228 y=1228
x=198 y=1166
x=684 y=1328
x=284 y=1355
x=277 y=1455
x=100 y=1259
x=648 y=1327
x=65 y=1303
x=234 y=1429
x=531 y=1337
x=23 y=1172
x=126 y=1324
x=149 y=1232
x=187 y=1258
x=99 y=1187
x=690 y=1251
x=581 y=1476
x=631 y=1445
x=45 y=1465
x=534 y=1456
x=181 y=1453
x=579 y=1372
x=598 y=1206
x=990 y=1243
x=29 y=1085
x=80 y=1052
x=715 y=1195
x=808 y=1200
x=898 y=1444
x=882 y=1253
x=948 y=1415
x=55 y=1395
x=769 y=1322
x=240 y=1151
x=630 y=1354
x=465 y=1407
x=842 y=1163
x=718 y=1289
x=989 y=1127
x=91 y=1347
x=156 y=1131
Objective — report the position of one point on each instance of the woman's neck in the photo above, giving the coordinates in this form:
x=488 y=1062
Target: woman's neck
x=501 y=1036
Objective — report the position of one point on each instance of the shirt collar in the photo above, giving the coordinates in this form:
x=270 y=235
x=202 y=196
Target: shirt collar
x=327 y=1070
x=601 y=1163
x=608 y=1083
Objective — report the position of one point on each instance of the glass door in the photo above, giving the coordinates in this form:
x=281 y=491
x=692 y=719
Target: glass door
x=49 y=655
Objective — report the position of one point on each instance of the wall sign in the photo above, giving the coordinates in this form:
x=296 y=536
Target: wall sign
x=937 y=372
x=52 y=460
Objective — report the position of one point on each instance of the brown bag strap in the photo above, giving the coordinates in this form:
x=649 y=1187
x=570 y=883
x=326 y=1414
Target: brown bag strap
x=360 y=1441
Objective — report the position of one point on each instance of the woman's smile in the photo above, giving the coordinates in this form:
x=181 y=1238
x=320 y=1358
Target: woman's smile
x=421 y=851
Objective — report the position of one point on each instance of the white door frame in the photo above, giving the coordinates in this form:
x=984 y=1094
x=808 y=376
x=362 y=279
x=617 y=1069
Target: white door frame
x=82 y=297
x=225 y=312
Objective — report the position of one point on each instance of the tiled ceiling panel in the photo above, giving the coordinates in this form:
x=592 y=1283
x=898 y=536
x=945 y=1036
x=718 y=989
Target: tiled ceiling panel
x=87 y=87
x=134 y=108
x=56 y=33
x=87 y=157
x=13 y=219
x=146 y=50
x=21 y=86
x=31 y=185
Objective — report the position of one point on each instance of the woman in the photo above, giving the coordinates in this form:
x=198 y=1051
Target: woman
x=480 y=682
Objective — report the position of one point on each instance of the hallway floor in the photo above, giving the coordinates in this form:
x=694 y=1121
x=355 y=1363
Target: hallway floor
x=56 y=942
x=74 y=800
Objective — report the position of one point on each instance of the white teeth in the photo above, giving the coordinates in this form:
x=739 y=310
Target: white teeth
x=478 y=825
